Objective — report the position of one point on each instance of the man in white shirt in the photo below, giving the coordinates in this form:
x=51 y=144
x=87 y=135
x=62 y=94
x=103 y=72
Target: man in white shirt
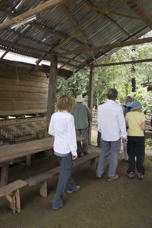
x=111 y=124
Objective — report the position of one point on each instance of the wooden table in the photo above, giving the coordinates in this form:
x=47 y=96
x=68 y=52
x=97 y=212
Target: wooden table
x=11 y=152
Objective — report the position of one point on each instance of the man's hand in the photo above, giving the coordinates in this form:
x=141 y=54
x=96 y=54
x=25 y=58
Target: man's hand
x=124 y=140
x=74 y=157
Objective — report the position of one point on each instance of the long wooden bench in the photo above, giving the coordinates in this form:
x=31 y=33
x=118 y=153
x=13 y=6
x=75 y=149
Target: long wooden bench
x=25 y=149
x=12 y=193
x=43 y=178
x=15 y=151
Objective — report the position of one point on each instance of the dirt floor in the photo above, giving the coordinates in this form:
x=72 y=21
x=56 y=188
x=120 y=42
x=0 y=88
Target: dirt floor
x=124 y=203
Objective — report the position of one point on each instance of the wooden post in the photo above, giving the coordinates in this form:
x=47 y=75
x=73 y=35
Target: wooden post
x=4 y=174
x=90 y=98
x=51 y=88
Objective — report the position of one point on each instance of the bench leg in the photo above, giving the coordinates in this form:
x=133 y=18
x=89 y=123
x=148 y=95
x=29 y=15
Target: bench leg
x=14 y=201
x=28 y=160
x=4 y=174
x=18 y=201
x=43 y=189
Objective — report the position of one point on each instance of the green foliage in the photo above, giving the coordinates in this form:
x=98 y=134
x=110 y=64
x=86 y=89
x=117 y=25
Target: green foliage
x=118 y=77
x=75 y=85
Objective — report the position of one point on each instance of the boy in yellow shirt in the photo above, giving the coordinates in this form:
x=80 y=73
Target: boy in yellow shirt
x=135 y=121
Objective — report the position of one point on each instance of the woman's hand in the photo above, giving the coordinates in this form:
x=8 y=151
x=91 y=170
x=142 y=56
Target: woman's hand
x=74 y=157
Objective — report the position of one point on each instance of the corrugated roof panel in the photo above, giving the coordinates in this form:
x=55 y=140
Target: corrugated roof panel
x=56 y=19
x=99 y=32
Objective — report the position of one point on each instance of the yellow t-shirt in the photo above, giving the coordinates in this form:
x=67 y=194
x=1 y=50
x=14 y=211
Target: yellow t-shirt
x=134 y=120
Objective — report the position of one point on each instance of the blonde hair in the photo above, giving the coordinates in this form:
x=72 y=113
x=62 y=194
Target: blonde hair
x=64 y=103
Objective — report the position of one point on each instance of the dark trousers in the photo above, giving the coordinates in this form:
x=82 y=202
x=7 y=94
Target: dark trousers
x=136 y=153
x=82 y=146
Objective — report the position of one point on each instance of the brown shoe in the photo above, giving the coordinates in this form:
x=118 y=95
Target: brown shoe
x=113 y=178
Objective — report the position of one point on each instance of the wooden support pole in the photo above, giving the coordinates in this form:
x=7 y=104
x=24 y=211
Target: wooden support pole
x=4 y=174
x=90 y=98
x=52 y=88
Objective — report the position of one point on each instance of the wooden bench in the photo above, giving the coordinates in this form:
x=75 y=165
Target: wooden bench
x=43 y=178
x=8 y=153
x=12 y=193
x=15 y=151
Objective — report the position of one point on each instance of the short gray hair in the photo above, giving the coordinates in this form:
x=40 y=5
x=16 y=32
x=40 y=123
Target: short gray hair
x=112 y=94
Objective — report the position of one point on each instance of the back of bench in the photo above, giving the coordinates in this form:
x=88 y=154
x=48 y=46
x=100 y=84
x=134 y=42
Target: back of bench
x=10 y=152
x=50 y=173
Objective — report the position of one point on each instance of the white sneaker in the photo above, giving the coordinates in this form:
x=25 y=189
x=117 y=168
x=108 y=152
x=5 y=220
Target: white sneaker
x=113 y=178
x=74 y=190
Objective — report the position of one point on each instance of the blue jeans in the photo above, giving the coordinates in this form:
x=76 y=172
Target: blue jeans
x=109 y=156
x=65 y=180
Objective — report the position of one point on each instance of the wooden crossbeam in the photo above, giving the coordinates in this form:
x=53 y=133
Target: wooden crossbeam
x=7 y=44
x=107 y=17
x=101 y=10
x=105 y=51
x=123 y=63
x=84 y=25
x=76 y=27
x=140 y=11
x=31 y=12
x=111 y=46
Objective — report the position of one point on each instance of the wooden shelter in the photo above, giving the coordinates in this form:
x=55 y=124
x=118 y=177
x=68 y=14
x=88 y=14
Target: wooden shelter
x=72 y=35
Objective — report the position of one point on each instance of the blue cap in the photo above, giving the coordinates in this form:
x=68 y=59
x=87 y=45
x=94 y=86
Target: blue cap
x=136 y=105
x=129 y=104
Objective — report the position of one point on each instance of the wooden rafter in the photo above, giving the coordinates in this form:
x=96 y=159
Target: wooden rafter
x=40 y=27
x=5 y=45
x=107 y=50
x=123 y=63
x=69 y=59
x=106 y=16
x=76 y=27
x=83 y=26
x=76 y=33
x=111 y=46
x=140 y=11
x=117 y=25
x=31 y=12
x=102 y=10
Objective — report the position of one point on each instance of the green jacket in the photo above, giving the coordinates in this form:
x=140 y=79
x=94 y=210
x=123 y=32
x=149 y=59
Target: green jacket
x=82 y=115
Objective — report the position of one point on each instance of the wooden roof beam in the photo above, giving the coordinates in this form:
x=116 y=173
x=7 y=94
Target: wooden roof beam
x=106 y=10
x=31 y=12
x=111 y=46
x=105 y=51
x=77 y=27
x=9 y=45
x=85 y=24
x=140 y=11
x=123 y=63
x=106 y=16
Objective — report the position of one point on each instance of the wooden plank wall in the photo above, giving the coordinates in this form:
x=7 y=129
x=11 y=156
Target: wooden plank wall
x=22 y=91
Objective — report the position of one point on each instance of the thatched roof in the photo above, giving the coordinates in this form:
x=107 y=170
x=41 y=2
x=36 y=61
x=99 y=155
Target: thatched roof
x=72 y=29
